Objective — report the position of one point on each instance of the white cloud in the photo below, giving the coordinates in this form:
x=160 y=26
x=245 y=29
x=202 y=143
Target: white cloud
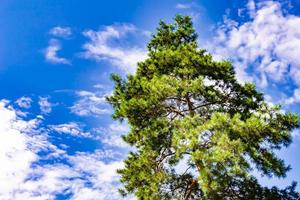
x=251 y=8
x=71 y=128
x=24 y=102
x=267 y=45
x=295 y=98
x=18 y=148
x=84 y=176
x=111 y=136
x=90 y=104
x=59 y=31
x=98 y=171
x=183 y=6
x=296 y=133
x=99 y=86
x=46 y=181
x=51 y=53
x=100 y=47
x=45 y=105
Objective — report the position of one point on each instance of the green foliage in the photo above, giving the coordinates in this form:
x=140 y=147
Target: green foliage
x=187 y=111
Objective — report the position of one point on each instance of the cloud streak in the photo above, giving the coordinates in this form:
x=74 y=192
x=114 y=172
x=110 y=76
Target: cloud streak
x=183 y=6
x=100 y=47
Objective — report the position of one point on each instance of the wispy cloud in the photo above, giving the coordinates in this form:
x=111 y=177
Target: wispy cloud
x=112 y=135
x=51 y=53
x=63 y=32
x=296 y=133
x=183 y=6
x=24 y=102
x=295 y=98
x=71 y=128
x=102 y=176
x=100 y=46
x=267 y=45
x=90 y=104
x=251 y=7
x=45 y=105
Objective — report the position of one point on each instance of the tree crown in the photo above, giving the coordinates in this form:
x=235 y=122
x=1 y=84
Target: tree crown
x=198 y=132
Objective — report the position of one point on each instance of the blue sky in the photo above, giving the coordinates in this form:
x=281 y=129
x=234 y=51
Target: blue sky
x=57 y=138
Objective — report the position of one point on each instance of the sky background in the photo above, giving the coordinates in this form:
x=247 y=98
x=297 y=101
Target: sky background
x=57 y=138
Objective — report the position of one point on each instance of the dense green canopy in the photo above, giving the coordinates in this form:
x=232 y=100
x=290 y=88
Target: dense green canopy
x=197 y=132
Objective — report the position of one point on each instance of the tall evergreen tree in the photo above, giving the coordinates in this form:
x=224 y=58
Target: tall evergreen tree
x=197 y=132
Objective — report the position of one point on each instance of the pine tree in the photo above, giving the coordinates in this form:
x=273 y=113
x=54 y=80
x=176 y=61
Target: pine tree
x=197 y=132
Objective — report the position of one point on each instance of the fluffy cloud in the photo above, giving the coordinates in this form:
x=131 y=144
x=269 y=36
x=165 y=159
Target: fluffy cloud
x=100 y=46
x=24 y=102
x=51 y=53
x=59 y=31
x=90 y=104
x=266 y=45
x=84 y=176
x=101 y=176
x=18 y=149
x=45 y=105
